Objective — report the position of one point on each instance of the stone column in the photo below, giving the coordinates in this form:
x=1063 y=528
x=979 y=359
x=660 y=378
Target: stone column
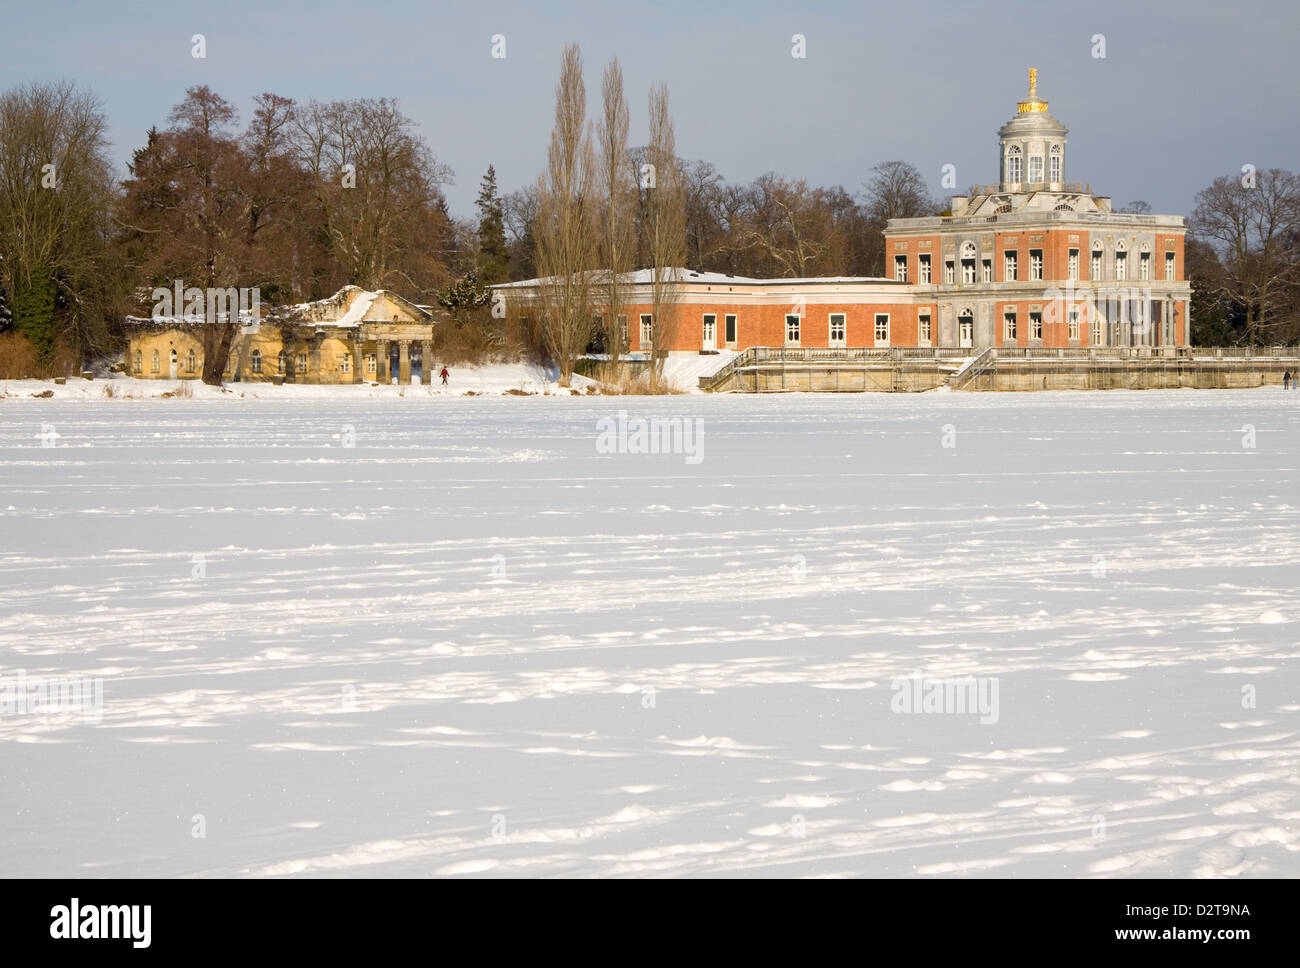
x=404 y=362
x=430 y=371
x=358 y=361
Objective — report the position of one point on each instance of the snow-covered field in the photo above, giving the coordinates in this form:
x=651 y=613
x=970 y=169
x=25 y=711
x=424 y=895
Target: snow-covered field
x=473 y=643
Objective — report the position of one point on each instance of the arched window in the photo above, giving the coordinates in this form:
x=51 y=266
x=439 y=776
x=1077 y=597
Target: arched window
x=968 y=250
x=1121 y=261
x=1095 y=269
x=1056 y=163
x=1013 y=164
x=280 y=362
x=139 y=362
x=257 y=361
x=155 y=362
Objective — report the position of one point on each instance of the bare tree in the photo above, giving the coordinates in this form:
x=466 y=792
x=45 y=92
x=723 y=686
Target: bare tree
x=375 y=180
x=56 y=198
x=618 y=214
x=665 y=230
x=566 y=223
x=1254 y=227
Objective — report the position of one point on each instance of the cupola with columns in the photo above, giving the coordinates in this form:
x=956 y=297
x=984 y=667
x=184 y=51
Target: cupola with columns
x=1032 y=146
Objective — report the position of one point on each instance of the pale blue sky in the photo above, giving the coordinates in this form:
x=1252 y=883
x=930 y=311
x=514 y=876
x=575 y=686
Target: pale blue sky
x=1187 y=90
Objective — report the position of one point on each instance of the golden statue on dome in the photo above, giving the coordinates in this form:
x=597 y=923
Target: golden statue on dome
x=1033 y=102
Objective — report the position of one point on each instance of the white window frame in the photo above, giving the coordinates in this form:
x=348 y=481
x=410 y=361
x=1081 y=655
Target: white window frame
x=900 y=268
x=1144 y=266
x=622 y=330
x=924 y=269
x=1036 y=264
x=795 y=328
x=924 y=327
x=1073 y=265
x=1010 y=326
x=1074 y=325
x=1171 y=261
x=1098 y=333
x=949 y=272
x=987 y=270
x=1055 y=163
x=1014 y=162
x=877 y=329
x=1035 y=169
x=1095 y=266
x=647 y=330
x=302 y=364
x=709 y=327
x=256 y=360
x=1036 y=325
x=157 y=362
x=1121 y=266
x=842 y=326
x=1010 y=265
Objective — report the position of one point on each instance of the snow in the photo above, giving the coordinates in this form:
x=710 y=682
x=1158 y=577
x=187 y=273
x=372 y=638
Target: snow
x=471 y=645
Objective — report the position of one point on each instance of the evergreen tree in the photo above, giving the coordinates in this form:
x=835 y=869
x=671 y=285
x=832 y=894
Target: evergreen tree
x=493 y=261
x=6 y=314
x=33 y=310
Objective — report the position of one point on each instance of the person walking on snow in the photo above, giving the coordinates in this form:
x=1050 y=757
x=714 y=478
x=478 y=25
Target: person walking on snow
x=444 y=376
x=1286 y=380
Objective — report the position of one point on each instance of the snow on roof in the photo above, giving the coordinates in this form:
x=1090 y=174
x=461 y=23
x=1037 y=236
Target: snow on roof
x=645 y=277
x=348 y=307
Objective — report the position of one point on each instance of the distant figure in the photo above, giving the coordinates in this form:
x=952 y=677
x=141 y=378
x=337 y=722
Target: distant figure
x=1286 y=380
x=444 y=376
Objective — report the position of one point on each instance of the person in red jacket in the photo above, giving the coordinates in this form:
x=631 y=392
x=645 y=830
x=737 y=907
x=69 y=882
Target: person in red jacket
x=444 y=376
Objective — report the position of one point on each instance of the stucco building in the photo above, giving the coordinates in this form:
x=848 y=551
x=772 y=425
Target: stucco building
x=353 y=336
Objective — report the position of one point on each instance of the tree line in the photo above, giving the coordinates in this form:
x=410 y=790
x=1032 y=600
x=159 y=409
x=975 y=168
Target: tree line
x=309 y=196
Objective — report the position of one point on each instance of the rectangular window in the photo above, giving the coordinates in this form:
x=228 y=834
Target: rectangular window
x=190 y=360
x=988 y=270
x=1074 y=263
x=345 y=363
x=923 y=261
x=1121 y=266
x=1074 y=325
x=949 y=273
x=155 y=361
x=900 y=268
x=1097 y=334
x=647 y=329
x=837 y=329
x=882 y=329
x=1036 y=264
x=1056 y=166
x=1036 y=326
x=1144 y=266
x=302 y=363
x=1035 y=169
x=730 y=322
x=1095 y=270
x=1009 y=267
x=1169 y=266
x=710 y=330
x=372 y=364
x=622 y=330
x=1009 y=327
x=792 y=329
x=968 y=270
x=923 y=327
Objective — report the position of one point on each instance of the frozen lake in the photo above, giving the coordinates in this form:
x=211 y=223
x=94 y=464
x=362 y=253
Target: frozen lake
x=472 y=642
